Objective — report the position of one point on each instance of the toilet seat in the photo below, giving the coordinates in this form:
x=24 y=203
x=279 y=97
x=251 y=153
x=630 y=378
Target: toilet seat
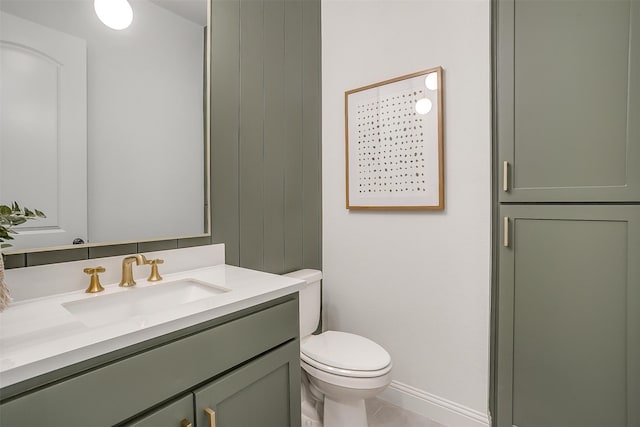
x=345 y=354
x=343 y=372
x=352 y=383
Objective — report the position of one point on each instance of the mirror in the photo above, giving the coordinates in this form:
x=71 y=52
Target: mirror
x=106 y=131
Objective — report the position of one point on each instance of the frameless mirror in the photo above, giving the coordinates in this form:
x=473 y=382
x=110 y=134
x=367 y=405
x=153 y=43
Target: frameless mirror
x=105 y=130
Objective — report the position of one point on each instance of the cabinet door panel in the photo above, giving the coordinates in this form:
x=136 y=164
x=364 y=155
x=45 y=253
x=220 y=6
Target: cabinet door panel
x=265 y=392
x=569 y=99
x=569 y=317
x=170 y=415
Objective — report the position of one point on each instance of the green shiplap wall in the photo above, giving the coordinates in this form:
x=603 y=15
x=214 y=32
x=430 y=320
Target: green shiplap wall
x=266 y=157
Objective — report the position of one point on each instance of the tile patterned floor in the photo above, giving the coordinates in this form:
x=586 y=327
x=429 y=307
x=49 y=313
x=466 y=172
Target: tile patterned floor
x=384 y=414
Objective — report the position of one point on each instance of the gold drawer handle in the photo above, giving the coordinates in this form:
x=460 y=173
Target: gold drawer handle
x=505 y=232
x=505 y=176
x=185 y=423
x=212 y=416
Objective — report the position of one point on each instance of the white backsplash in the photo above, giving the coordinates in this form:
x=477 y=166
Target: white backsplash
x=44 y=280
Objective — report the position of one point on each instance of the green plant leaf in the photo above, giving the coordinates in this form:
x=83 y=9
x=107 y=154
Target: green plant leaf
x=17 y=220
x=12 y=216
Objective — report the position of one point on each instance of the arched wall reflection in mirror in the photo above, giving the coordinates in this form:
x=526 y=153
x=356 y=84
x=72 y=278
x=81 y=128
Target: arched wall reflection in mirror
x=105 y=131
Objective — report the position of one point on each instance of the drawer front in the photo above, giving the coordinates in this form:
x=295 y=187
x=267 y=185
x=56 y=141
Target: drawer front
x=174 y=414
x=115 y=392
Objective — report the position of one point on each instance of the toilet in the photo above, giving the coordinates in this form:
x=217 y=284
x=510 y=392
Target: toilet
x=340 y=370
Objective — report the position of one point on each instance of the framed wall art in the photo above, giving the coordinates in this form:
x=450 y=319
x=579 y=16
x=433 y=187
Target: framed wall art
x=394 y=143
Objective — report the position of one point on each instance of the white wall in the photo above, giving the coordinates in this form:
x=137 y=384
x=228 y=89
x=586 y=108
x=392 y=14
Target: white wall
x=144 y=118
x=418 y=283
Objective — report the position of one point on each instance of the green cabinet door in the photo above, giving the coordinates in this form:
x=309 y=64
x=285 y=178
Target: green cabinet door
x=263 y=393
x=568 y=100
x=178 y=413
x=569 y=317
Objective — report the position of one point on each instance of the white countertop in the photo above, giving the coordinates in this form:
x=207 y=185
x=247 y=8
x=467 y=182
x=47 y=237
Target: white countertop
x=39 y=335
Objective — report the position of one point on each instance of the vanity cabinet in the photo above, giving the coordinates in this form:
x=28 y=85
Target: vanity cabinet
x=254 y=395
x=239 y=364
x=568 y=100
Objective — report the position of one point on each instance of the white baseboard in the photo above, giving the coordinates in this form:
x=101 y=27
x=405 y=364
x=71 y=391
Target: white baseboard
x=441 y=410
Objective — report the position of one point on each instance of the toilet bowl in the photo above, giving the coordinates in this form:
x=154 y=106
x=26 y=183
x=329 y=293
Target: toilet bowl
x=340 y=369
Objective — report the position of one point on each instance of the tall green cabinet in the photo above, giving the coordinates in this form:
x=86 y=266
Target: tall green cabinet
x=567 y=177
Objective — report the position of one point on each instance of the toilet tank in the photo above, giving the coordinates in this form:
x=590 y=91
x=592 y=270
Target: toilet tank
x=309 y=300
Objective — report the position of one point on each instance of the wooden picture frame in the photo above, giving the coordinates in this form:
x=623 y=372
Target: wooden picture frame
x=394 y=143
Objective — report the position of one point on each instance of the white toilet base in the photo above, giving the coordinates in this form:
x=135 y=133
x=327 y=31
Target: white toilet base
x=350 y=413
x=310 y=422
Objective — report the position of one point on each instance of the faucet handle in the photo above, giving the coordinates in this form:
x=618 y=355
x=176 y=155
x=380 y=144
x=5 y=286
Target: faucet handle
x=155 y=276
x=94 y=285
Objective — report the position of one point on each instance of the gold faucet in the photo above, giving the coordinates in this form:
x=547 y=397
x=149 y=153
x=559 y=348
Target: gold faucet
x=127 y=270
x=155 y=276
x=94 y=286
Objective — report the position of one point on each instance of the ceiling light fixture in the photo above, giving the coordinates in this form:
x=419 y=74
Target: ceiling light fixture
x=116 y=14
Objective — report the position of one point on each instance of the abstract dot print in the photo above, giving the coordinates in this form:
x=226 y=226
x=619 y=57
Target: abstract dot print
x=390 y=154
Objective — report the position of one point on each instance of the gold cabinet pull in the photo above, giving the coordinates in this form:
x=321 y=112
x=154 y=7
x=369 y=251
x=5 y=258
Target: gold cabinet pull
x=505 y=176
x=212 y=416
x=505 y=232
x=185 y=423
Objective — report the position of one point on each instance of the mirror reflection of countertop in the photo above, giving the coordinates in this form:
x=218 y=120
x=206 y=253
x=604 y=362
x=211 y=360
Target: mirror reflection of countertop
x=43 y=334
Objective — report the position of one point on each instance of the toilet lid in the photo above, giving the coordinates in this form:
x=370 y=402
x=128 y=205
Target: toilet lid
x=345 y=351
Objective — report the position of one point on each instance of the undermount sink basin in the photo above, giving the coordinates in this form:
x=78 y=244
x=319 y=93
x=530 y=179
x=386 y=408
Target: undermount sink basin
x=105 y=309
